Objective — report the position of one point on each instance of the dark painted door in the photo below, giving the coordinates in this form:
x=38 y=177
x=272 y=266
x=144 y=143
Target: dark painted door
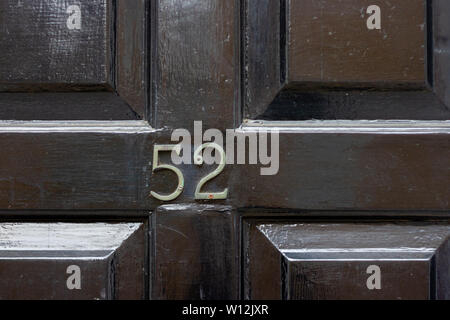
x=350 y=201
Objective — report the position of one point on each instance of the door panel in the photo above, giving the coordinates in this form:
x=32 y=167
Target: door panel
x=330 y=42
x=367 y=138
x=345 y=261
x=195 y=253
x=90 y=52
x=195 y=63
x=47 y=42
x=74 y=165
x=441 y=9
x=320 y=60
x=131 y=56
x=72 y=261
x=105 y=166
x=350 y=166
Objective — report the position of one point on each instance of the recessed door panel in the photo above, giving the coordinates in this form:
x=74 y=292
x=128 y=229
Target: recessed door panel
x=87 y=261
x=309 y=261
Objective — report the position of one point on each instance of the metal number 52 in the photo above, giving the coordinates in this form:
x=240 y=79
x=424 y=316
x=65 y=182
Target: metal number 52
x=198 y=160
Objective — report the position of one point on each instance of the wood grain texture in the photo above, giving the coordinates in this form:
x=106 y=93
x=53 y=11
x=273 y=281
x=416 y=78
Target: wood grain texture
x=41 y=54
x=261 y=260
x=262 y=56
x=195 y=253
x=131 y=54
x=306 y=60
x=38 y=47
x=329 y=260
x=195 y=58
x=442 y=262
x=101 y=165
x=56 y=106
x=172 y=62
x=34 y=258
x=347 y=280
x=97 y=166
x=329 y=42
x=341 y=170
x=441 y=49
x=351 y=104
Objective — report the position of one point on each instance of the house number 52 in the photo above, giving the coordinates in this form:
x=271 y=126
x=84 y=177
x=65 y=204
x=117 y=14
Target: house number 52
x=198 y=160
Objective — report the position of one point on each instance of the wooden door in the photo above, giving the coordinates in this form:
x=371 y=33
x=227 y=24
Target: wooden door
x=355 y=92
